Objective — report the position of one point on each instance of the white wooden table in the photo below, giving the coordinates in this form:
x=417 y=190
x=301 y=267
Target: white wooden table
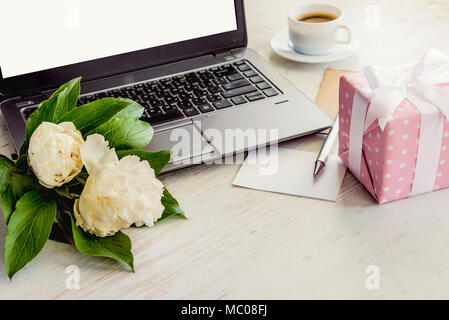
x=242 y=243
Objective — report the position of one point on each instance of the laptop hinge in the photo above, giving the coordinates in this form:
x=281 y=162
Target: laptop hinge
x=221 y=52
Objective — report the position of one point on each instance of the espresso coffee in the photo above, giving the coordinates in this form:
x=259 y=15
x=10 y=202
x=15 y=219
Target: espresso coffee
x=316 y=17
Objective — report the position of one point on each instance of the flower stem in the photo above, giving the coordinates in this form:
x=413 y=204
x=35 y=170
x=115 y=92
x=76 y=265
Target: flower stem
x=80 y=180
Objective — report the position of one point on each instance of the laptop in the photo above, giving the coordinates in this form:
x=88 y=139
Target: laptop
x=206 y=95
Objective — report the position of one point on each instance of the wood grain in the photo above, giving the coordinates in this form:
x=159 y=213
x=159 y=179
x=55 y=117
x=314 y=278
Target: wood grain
x=241 y=243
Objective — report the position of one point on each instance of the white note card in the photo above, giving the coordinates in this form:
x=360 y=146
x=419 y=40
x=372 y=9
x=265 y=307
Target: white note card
x=291 y=172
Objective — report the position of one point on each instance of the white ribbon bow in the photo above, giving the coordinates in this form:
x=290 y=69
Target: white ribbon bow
x=391 y=85
x=388 y=87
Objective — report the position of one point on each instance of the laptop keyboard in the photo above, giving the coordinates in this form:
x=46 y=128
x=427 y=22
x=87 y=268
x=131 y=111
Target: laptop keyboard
x=192 y=93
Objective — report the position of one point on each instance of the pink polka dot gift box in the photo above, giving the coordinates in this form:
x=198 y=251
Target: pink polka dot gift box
x=394 y=127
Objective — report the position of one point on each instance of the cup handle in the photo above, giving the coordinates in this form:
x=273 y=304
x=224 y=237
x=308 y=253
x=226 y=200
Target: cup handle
x=348 y=30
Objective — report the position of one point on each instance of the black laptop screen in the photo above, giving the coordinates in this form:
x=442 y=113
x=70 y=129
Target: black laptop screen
x=85 y=30
x=48 y=41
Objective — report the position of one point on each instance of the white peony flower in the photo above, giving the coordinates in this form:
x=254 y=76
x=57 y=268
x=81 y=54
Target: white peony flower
x=54 y=153
x=117 y=193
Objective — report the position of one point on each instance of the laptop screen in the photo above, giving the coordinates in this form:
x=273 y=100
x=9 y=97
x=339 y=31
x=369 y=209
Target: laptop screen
x=46 y=34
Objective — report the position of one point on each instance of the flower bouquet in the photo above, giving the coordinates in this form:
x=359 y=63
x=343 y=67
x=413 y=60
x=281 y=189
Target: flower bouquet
x=81 y=173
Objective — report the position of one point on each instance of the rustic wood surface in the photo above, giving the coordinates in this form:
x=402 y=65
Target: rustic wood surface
x=241 y=243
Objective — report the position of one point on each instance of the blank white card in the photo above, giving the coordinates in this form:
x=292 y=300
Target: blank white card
x=291 y=172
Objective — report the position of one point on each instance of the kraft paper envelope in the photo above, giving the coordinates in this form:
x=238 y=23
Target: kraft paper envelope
x=327 y=97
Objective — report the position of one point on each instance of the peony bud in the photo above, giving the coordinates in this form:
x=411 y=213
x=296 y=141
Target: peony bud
x=54 y=153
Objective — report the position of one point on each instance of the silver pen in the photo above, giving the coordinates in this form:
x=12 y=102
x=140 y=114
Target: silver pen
x=326 y=149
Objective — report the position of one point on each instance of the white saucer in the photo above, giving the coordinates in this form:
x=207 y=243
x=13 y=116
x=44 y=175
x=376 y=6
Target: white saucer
x=281 y=45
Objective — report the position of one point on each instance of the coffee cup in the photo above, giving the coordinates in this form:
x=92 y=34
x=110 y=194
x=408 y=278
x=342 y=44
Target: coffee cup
x=313 y=28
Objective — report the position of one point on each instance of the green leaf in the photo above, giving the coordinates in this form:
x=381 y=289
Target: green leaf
x=65 y=225
x=157 y=160
x=132 y=111
x=171 y=206
x=89 y=116
x=117 y=247
x=28 y=230
x=19 y=185
x=71 y=99
x=125 y=133
x=22 y=163
x=51 y=110
x=8 y=202
x=5 y=161
x=6 y=169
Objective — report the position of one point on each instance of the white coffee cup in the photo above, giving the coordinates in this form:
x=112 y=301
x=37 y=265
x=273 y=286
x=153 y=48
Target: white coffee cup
x=316 y=38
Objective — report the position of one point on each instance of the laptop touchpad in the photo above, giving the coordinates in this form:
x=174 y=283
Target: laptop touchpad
x=186 y=142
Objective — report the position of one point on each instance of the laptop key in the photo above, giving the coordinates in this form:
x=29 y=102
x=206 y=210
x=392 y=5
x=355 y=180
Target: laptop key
x=145 y=117
x=222 y=104
x=147 y=105
x=185 y=104
x=185 y=96
x=244 y=67
x=253 y=94
x=239 y=100
x=258 y=96
x=199 y=101
x=160 y=118
x=154 y=112
x=263 y=86
x=191 y=112
x=235 y=77
x=200 y=93
x=250 y=73
x=235 y=84
x=218 y=81
x=189 y=88
x=239 y=91
x=221 y=73
x=169 y=108
x=204 y=108
x=27 y=112
x=214 y=89
x=270 y=92
x=174 y=91
x=155 y=102
x=227 y=67
x=213 y=98
x=201 y=85
x=169 y=100
x=256 y=79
